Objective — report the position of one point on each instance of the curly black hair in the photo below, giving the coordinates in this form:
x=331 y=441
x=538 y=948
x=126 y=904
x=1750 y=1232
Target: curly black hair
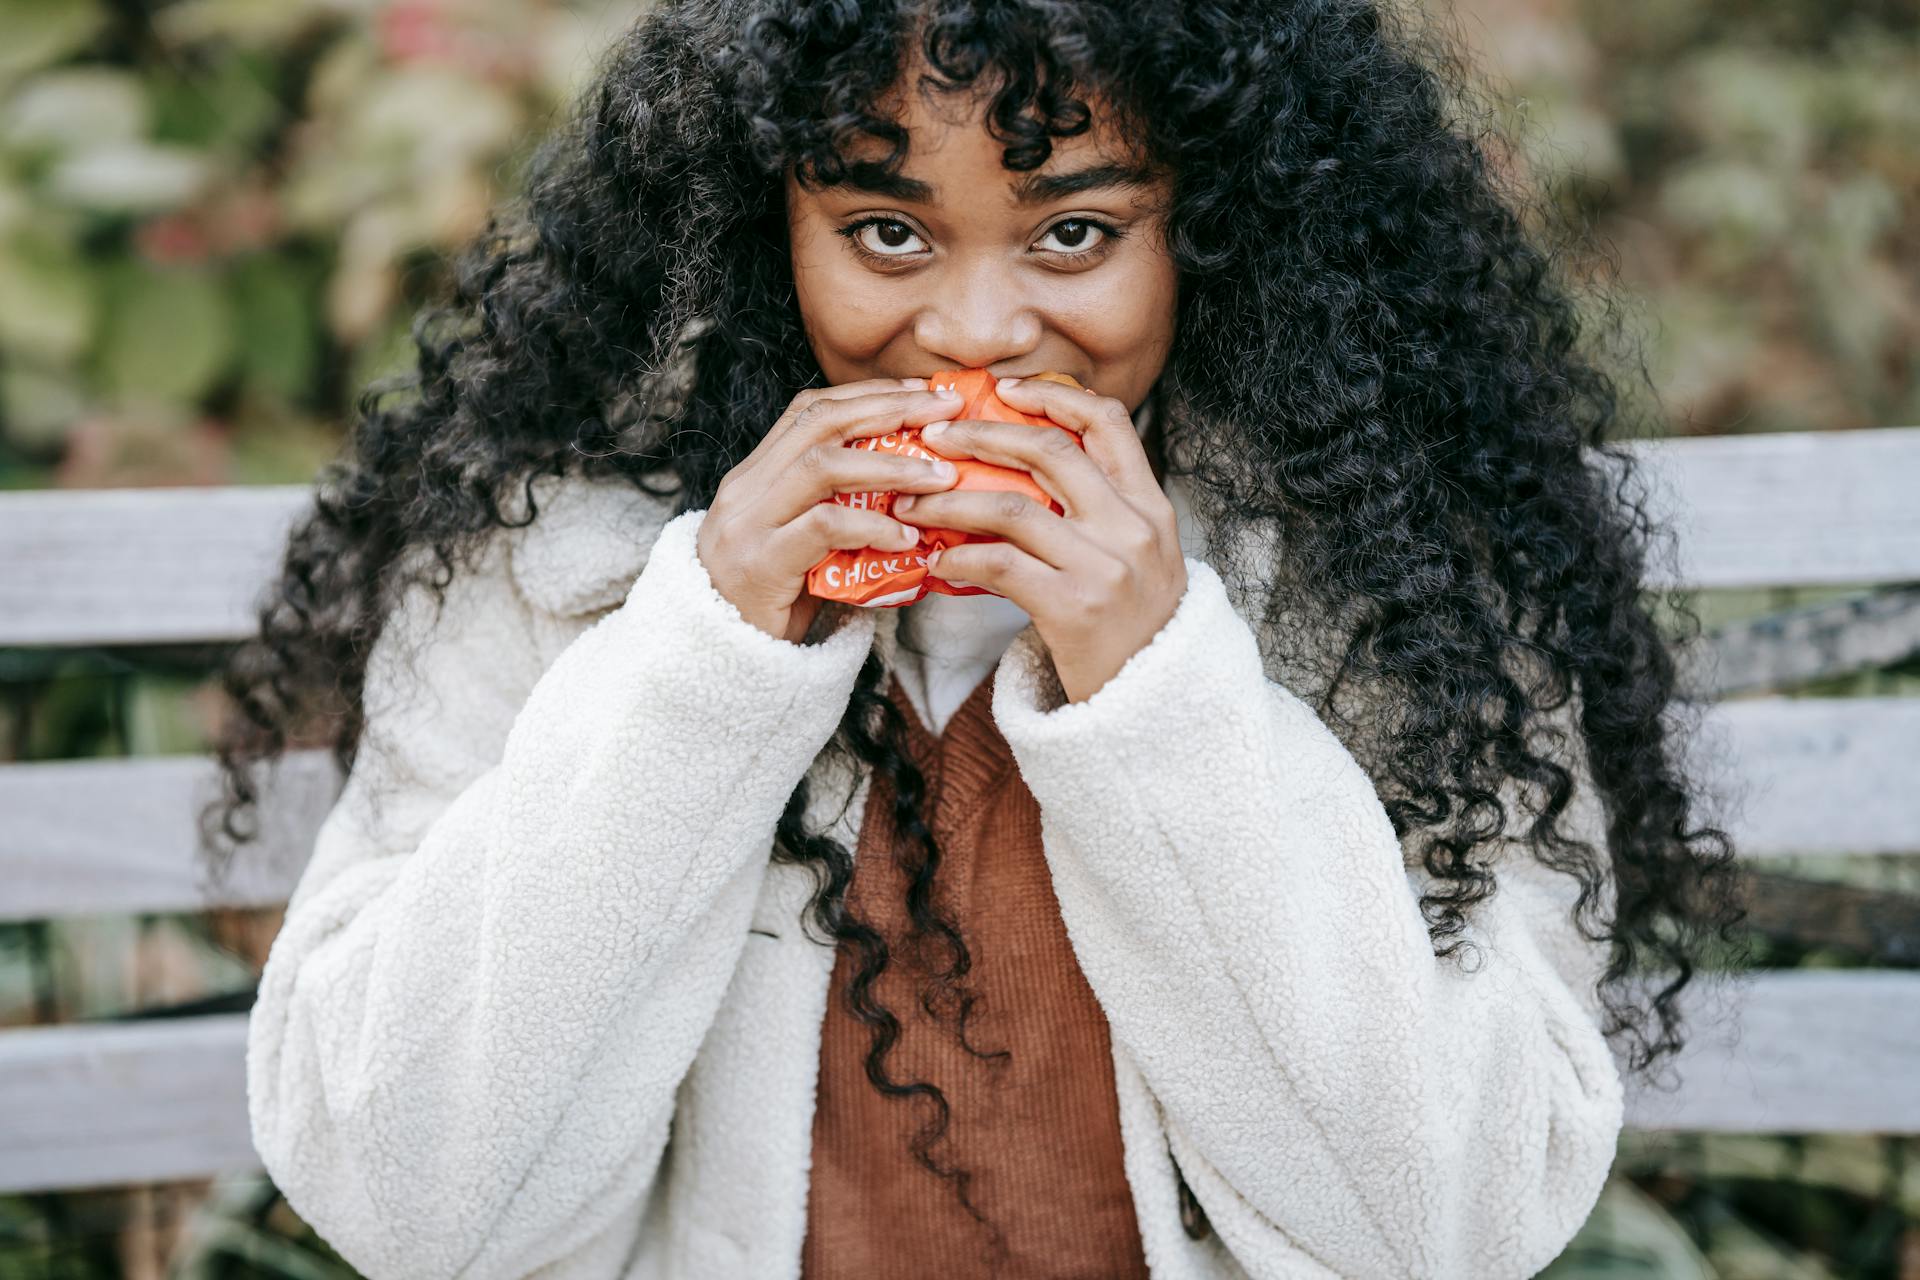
x=1377 y=354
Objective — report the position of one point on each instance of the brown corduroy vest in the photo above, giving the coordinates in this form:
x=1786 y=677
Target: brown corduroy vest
x=1039 y=1131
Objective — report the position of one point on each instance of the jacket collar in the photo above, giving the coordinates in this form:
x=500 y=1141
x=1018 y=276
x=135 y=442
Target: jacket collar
x=588 y=544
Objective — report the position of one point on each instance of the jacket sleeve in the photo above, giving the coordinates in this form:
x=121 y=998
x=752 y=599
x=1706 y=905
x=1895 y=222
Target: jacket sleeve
x=1239 y=901
x=521 y=915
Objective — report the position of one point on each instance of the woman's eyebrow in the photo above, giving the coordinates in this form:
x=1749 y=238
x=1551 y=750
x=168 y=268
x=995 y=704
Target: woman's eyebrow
x=1034 y=188
x=1039 y=188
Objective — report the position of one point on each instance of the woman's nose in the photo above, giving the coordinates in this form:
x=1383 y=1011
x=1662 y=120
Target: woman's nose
x=977 y=319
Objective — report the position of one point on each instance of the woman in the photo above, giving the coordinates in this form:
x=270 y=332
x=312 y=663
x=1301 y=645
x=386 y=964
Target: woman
x=1315 y=796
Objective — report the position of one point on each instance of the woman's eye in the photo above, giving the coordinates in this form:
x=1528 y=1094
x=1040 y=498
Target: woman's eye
x=1074 y=235
x=888 y=238
x=877 y=237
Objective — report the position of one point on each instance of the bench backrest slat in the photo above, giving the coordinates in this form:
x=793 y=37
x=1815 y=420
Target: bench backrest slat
x=1811 y=776
x=139 y=566
x=87 y=837
x=181 y=565
x=98 y=1104
x=1797 y=508
x=106 y=1103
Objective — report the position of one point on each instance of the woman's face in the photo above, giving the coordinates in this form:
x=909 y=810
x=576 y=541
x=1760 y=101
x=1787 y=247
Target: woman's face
x=960 y=263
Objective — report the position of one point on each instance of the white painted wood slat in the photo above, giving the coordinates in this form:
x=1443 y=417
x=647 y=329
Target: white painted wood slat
x=185 y=565
x=120 y=836
x=1798 y=776
x=1792 y=508
x=111 y=1103
x=1814 y=775
x=138 y=566
x=101 y=1104
x=1805 y=1051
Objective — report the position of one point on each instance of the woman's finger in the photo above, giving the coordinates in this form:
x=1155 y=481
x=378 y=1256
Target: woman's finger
x=1006 y=514
x=800 y=544
x=831 y=422
x=843 y=391
x=838 y=420
x=1105 y=427
x=850 y=391
x=823 y=470
x=1055 y=459
x=1001 y=567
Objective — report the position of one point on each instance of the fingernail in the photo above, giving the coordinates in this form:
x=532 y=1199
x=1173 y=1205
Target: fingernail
x=933 y=429
x=909 y=536
x=947 y=393
x=933 y=561
x=914 y=384
x=943 y=470
x=1008 y=382
x=903 y=502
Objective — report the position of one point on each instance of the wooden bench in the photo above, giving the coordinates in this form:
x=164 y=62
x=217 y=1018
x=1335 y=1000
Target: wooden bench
x=1813 y=1051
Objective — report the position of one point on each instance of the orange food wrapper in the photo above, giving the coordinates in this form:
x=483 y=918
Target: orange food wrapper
x=887 y=579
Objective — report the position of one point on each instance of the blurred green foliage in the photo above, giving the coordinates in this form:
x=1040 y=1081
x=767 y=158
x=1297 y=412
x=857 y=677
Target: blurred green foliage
x=1753 y=169
x=217 y=217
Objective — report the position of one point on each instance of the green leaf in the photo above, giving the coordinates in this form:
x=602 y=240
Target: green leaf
x=1744 y=208
x=246 y=22
x=281 y=450
x=161 y=716
x=388 y=353
x=239 y=1248
x=47 y=305
x=38 y=406
x=72 y=715
x=279 y=325
x=42 y=32
x=1629 y=1235
x=130 y=177
x=168 y=334
x=228 y=104
x=1749 y=103
x=77 y=108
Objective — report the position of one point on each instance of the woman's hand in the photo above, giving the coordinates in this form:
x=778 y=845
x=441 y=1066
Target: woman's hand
x=1099 y=581
x=770 y=520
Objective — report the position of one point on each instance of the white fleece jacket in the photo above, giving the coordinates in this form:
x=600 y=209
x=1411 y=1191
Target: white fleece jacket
x=542 y=1005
